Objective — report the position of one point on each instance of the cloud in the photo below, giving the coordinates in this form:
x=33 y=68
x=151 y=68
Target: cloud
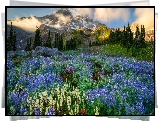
x=56 y=25
x=62 y=18
x=84 y=11
x=28 y=24
x=109 y=14
x=145 y=16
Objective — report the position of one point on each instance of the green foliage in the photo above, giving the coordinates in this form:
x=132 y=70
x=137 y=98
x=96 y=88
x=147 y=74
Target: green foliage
x=125 y=39
x=116 y=50
x=60 y=45
x=129 y=38
x=68 y=46
x=139 y=41
x=112 y=38
x=37 y=40
x=142 y=40
x=11 y=40
x=29 y=55
x=56 y=40
x=102 y=35
x=14 y=41
x=28 y=46
x=78 y=36
x=48 y=41
x=8 y=44
x=144 y=54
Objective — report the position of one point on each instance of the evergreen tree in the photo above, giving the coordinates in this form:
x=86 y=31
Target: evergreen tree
x=68 y=47
x=142 y=40
x=56 y=40
x=8 y=44
x=112 y=37
x=123 y=38
x=37 y=40
x=11 y=36
x=90 y=43
x=28 y=46
x=117 y=36
x=11 y=40
x=60 y=46
x=136 y=46
x=137 y=37
x=73 y=44
x=14 y=41
x=48 y=41
x=129 y=38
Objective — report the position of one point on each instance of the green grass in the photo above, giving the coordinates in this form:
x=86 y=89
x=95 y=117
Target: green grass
x=144 y=54
x=115 y=50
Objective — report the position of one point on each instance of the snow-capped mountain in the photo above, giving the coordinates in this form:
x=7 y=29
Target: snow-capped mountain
x=61 y=21
x=66 y=19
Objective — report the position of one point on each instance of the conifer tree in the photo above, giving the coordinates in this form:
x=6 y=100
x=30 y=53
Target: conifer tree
x=10 y=39
x=56 y=40
x=142 y=40
x=68 y=45
x=37 y=40
x=117 y=36
x=137 y=37
x=14 y=41
x=48 y=41
x=11 y=36
x=136 y=46
x=111 y=37
x=8 y=44
x=28 y=46
x=60 y=46
x=123 y=38
x=129 y=38
x=73 y=44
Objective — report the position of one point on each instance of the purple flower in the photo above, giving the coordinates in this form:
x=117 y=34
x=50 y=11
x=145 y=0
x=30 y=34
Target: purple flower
x=37 y=111
x=51 y=111
x=22 y=110
x=140 y=108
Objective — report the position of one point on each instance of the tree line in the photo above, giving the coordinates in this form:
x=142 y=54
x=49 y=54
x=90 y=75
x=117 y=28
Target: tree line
x=35 y=41
x=58 y=42
x=125 y=38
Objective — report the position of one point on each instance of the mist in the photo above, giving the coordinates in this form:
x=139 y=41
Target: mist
x=28 y=24
x=85 y=11
x=62 y=18
x=145 y=16
x=56 y=25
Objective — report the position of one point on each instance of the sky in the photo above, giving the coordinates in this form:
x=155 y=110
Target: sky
x=112 y=17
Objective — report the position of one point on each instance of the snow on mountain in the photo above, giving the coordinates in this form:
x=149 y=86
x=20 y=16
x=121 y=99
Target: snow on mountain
x=74 y=12
x=67 y=18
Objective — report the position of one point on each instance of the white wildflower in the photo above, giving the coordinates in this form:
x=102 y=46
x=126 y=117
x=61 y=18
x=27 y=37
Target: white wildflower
x=96 y=111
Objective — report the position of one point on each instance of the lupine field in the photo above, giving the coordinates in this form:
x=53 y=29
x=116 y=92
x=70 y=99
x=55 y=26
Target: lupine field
x=83 y=84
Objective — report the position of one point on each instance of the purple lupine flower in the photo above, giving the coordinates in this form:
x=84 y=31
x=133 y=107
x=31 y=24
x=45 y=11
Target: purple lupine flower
x=22 y=110
x=51 y=111
x=37 y=111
